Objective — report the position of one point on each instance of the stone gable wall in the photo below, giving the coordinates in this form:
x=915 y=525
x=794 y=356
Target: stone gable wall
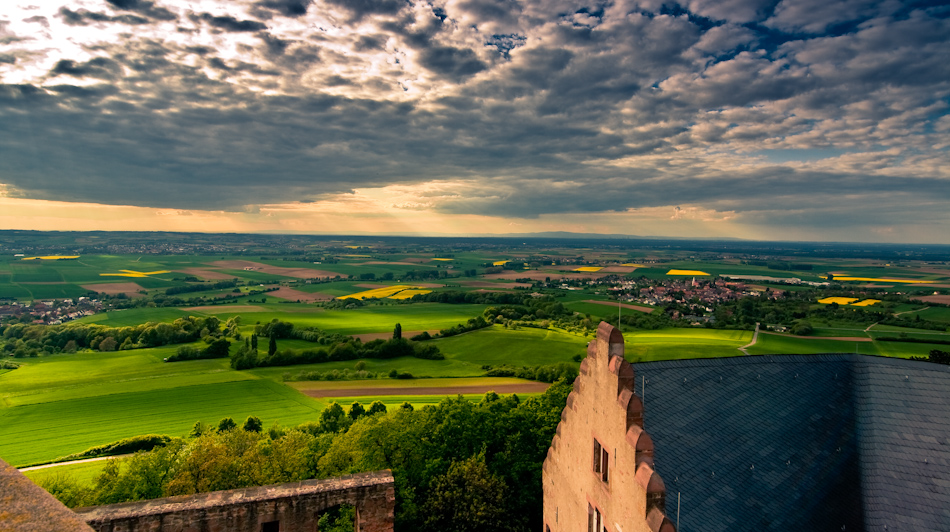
x=603 y=409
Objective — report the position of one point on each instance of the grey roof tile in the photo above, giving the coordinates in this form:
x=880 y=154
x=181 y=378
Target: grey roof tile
x=835 y=440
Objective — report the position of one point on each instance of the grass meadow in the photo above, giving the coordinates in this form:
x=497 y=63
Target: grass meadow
x=672 y=344
x=82 y=473
x=38 y=432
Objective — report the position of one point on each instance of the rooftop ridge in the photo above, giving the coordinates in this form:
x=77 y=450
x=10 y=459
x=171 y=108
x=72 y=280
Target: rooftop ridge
x=788 y=359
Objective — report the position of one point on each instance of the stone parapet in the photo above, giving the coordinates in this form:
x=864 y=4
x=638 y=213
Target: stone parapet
x=290 y=507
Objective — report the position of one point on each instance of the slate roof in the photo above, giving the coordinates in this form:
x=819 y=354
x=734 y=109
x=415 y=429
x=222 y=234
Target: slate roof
x=801 y=442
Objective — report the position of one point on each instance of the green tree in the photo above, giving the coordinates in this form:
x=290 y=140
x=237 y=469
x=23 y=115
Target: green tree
x=198 y=429
x=333 y=419
x=272 y=346
x=108 y=344
x=376 y=407
x=468 y=498
x=337 y=519
x=252 y=424
x=254 y=342
x=226 y=424
x=356 y=410
x=397 y=332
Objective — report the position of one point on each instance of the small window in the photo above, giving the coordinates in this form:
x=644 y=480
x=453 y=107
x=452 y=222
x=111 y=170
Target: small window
x=597 y=451
x=601 y=460
x=270 y=526
x=594 y=521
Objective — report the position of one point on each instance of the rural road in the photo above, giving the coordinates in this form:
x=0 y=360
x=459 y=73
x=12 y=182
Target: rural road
x=755 y=338
x=45 y=466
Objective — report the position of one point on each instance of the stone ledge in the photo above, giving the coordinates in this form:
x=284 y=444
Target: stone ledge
x=216 y=499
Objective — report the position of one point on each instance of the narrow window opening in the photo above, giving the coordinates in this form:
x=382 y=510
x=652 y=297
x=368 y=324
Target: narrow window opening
x=270 y=526
x=597 y=451
x=606 y=462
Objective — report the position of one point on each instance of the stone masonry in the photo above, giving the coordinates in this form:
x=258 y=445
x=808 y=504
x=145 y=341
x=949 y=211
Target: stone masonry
x=292 y=507
x=599 y=468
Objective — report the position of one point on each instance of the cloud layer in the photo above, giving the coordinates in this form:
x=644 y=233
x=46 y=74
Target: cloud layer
x=790 y=114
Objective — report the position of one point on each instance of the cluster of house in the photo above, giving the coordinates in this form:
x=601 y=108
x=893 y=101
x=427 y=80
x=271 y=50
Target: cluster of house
x=51 y=312
x=687 y=291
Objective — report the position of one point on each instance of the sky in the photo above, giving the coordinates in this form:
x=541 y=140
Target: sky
x=759 y=119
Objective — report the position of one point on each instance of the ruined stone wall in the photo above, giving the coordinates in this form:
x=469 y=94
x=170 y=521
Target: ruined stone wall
x=293 y=507
x=26 y=507
x=603 y=409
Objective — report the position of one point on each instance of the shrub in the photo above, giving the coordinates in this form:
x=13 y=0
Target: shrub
x=145 y=442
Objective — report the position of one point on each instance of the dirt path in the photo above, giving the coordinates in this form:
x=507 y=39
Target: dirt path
x=755 y=338
x=528 y=387
x=57 y=464
x=909 y=311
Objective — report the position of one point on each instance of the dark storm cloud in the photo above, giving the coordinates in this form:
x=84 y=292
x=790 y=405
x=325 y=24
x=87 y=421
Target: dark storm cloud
x=453 y=63
x=774 y=189
x=38 y=20
x=529 y=108
x=359 y=9
x=83 y=17
x=145 y=8
x=287 y=8
x=100 y=67
x=229 y=23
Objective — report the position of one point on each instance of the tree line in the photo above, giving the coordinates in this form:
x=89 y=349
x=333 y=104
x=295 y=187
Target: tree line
x=458 y=465
x=31 y=340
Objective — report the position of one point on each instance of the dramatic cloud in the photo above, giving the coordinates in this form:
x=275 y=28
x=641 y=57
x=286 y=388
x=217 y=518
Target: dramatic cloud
x=792 y=116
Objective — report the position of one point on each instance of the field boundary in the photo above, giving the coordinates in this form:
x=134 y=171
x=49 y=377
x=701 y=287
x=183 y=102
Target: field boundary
x=534 y=387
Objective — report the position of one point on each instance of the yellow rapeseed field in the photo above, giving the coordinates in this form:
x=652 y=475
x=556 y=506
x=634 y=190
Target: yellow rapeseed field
x=407 y=294
x=52 y=257
x=443 y=259
x=133 y=273
x=633 y=265
x=838 y=300
x=500 y=262
x=866 y=303
x=686 y=272
x=589 y=269
x=379 y=293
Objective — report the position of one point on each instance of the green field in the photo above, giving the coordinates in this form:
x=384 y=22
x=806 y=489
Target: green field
x=465 y=354
x=935 y=314
x=672 y=344
x=38 y=432
x=769 y=344
x=371 y=319
x=136 y=316
x=64 y=377
x=497 y=346
x=82 y=473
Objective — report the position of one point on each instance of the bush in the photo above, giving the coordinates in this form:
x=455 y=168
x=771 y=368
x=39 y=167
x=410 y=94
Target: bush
x=145 y=442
